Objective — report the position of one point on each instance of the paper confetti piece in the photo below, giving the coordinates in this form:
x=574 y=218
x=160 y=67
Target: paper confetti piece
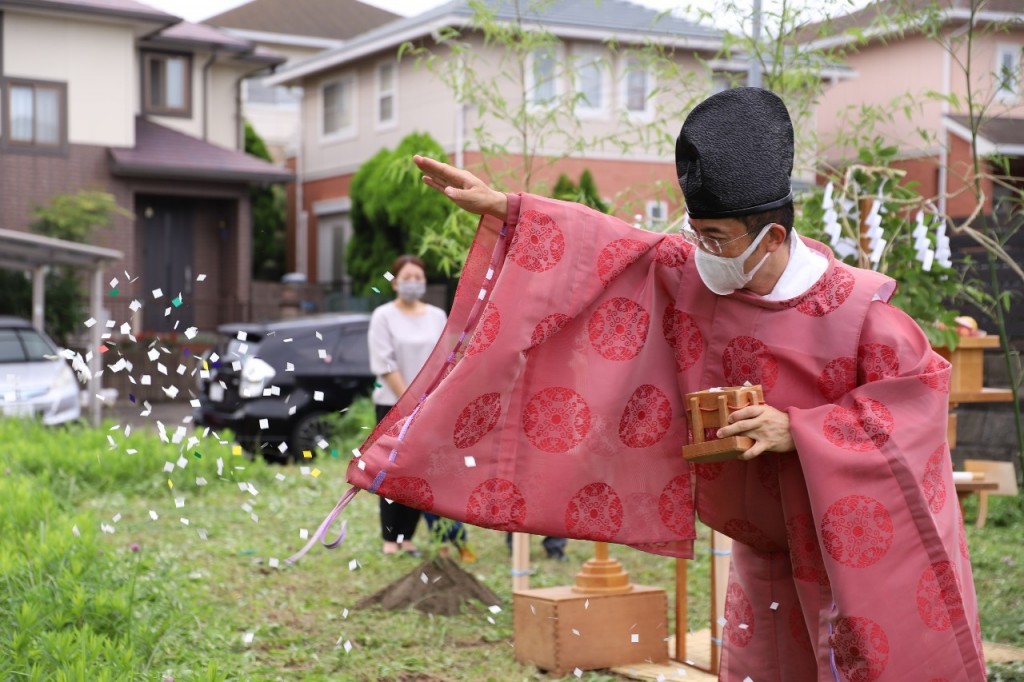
x=179 y=502
x=774 y=606
x=90 y=322
x=177 y=301
x=307 y=454
x=494 y=608
x=303 y=534
x=135 y=305
x=577 y=672
x=375 y=290
x=470 y=461
x=264 y=423
x=201 y=278
x=634 y=638
x=315 y=473
x=248 y=637
x=170 y=484
x=158 y=293
x=576 y=632
x=353 y=565
x=236 y=450
x=348 y=646
x=273 y=563
x=318 y=396
x=153 y=515
x=74 y=531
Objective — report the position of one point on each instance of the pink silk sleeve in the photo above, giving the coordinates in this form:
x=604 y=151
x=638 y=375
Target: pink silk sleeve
x=551 y=404
x=879 y=478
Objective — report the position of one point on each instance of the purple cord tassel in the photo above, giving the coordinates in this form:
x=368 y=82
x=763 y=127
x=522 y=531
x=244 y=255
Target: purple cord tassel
x=325 y=526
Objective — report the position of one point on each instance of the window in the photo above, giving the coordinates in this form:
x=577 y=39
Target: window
x=590 y=80
x=386 y=77
x=278 y=96
x=1008 y=72
x=338 y=100
x=637 y=87
x=167 y=84
x=720 y=82
x=34 y=114
x=542 y=82
x=657 y=214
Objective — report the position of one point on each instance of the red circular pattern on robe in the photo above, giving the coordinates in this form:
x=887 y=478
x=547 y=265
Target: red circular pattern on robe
x=675 y=506
x=750 y=535
x=386 y=424
x=673 y=251
x=767 y=468
x=595 y=513
x=876 y=361
x=548 y=327
x=646 y=418
x=838 y=378
x=798 y=629
x=863 y=427
x=618 y=256
x=496 y=503
x=934 y=484
x=709 y=471
x=618 y=329
x=556 y=419
x=486 y=331
x=936 y=374
x=538 y=243
x=408 y=490
x=804 y=550
x=396 y=428
x=861 y=648
x=938 y=596
x=684 y=337
x=739 y=616
x=747 y=359
x=476 y=420
x=964 y=551
x=828 y=294
x=857 y=531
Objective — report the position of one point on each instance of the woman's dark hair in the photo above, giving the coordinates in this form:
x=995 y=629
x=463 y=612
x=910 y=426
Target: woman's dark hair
x=404 y=260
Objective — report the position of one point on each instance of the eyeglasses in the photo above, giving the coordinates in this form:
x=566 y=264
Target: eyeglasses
x=709 y=244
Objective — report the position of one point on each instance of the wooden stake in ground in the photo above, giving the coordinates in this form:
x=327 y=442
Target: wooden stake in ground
x=437 y=586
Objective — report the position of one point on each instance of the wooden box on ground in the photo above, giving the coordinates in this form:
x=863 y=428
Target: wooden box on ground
x=559 y=630
x=967 y=376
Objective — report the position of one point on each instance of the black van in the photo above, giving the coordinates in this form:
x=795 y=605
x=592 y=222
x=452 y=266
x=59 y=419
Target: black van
x=272 y=383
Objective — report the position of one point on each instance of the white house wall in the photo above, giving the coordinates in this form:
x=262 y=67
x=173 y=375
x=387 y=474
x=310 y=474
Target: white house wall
x=100 y=89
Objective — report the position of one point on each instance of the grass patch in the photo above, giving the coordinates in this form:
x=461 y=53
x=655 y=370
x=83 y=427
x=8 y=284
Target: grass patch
x=207 y=596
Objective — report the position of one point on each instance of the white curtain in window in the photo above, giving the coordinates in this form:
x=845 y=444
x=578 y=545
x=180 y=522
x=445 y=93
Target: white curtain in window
x=47 y=116
x=386 y=97
x=22 y=113
x=175 y=68
x=590 y=79
x=636 y=85
x=337 y=107
x=543 y=76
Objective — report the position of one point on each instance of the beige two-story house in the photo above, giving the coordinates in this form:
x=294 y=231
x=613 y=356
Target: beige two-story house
x=117 y=96
x=361 y=97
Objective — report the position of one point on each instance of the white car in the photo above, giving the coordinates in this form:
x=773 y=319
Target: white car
x=35 y=381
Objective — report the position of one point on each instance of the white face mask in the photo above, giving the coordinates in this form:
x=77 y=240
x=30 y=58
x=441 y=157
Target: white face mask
x=410 y=290
x=725 y=275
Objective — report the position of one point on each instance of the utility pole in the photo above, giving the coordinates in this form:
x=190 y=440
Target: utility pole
x=754 y=64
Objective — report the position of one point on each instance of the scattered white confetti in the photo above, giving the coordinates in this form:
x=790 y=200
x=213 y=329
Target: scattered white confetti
x=182 y=462
x=318 y=396
x=424 y=578
x=200 y=481
x=533 y=609
x=289 y=367
x=248 y=637
x=179 y=502
x=353 y=565
x=273 y=563
x=158 y=293
x=283 y=447
x=146 y=381
x=586 y=605
x=116 y=518
x=184 y=520
x=577 y=672
x=470 y=461
x=576 y=632
x=348 y=646
x=491 y=620
x=106 y=528
x=743 y=626
x=90 y=322
x=74 y=531
x=356 y=453
x=135 y=305
x=113 y=283
x=279 y=477
x=774 y=606
x=200 y=278
x=322 y=444
x=264 y=423
x=344 y=613
x=168 y=467
x=153 y=515
x=303 y=534
x=747 y=679
x=494 y=608
x=388 y=276
x=153 y=354
x=634 y=638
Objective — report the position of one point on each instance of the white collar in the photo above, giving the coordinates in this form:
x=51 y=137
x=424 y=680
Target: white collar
x=804 y=269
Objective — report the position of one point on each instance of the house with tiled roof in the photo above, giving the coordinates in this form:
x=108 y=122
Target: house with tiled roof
x=360 y=97
x=296 y=29
x=899 y=65
x=118 y=96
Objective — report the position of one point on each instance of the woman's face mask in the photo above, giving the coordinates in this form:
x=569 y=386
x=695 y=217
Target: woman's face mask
x=410 y=290
x=724 y=275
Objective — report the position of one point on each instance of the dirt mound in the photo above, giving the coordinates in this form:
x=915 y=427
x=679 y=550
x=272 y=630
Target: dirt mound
x=437 y=586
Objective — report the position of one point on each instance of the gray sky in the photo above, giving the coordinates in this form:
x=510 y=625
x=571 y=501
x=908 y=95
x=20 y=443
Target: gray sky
x=197 y=10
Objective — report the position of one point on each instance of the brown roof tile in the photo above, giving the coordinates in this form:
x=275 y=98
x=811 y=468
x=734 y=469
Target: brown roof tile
x=160 y=152
x=336 y=19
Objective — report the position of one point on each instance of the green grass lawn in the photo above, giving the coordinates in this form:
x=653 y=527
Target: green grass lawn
x=207 y=595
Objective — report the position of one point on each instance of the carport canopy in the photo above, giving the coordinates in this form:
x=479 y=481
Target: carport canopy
x=37 y=253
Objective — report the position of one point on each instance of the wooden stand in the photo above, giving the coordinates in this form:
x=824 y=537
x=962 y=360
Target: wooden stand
x=710 y=410
x=721 y=552
x=968 y=372
x=600 y=622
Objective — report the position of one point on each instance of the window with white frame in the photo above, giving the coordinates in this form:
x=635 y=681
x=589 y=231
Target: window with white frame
x=1008 y=72
x=34 y=114
x=542 y=80
x=338 y=107
x=387 y=77
x=590 y=69
x=657 y=214
x=637 y=86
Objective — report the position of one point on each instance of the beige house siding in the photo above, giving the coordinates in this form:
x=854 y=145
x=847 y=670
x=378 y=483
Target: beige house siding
x=985 y=80
x=100 y=89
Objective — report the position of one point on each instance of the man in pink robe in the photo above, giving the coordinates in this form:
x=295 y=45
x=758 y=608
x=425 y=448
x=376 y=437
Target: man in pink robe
x=553 y=405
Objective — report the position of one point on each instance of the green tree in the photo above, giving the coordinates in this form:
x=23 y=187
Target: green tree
x=393 y=212
x=583 y=193
x=268 y=217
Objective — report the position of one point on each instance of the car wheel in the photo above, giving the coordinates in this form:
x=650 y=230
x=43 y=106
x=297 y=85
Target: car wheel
x=309 y=430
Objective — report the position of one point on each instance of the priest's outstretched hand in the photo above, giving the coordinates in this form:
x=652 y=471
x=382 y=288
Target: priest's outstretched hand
x=466 y=191
x=768 y=427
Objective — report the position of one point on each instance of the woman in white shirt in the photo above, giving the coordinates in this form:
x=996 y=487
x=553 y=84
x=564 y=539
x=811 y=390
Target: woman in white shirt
x=402 y=335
